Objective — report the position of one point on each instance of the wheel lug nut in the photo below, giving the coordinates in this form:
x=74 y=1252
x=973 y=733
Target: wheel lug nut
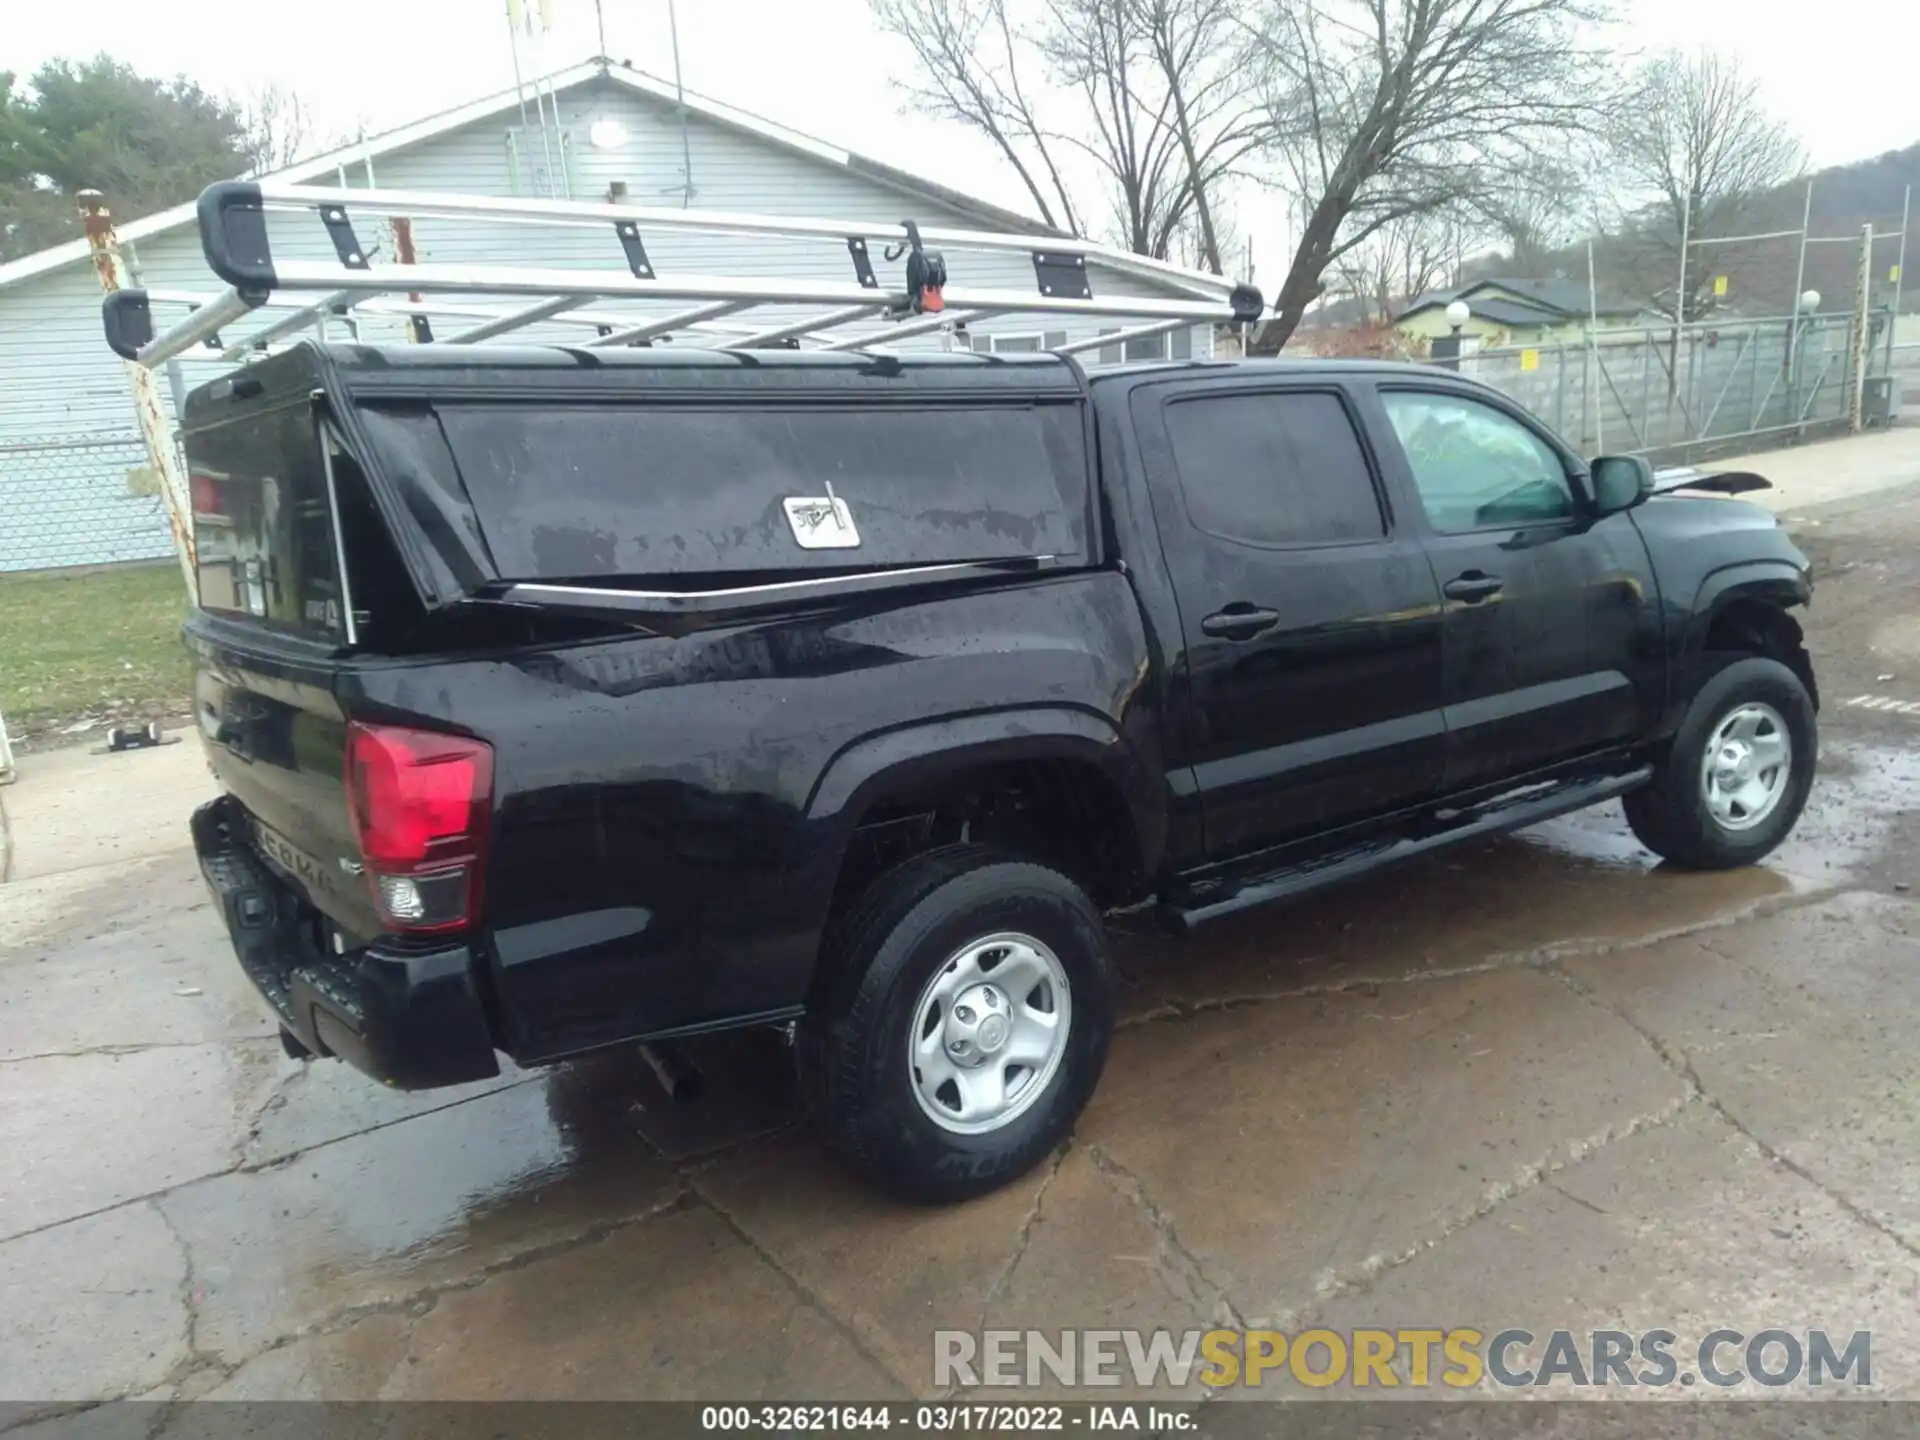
x=993 y=1000
x=963 y=1014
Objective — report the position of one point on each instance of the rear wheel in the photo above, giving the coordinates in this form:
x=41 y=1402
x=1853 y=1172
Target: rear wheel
x=963 y=1023
x=1738 y=773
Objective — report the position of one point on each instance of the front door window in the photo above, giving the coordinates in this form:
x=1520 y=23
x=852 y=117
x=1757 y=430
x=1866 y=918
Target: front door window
x=1476 y=468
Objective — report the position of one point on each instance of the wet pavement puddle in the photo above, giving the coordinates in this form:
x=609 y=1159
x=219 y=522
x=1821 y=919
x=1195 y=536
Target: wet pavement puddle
x=1418 y=990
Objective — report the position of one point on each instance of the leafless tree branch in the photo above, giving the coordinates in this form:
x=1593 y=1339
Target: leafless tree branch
x=1694 y=149
x=967 y=55
x=1399 y=260
x=279 y=128
x=1379 y=113
x=1148 y=97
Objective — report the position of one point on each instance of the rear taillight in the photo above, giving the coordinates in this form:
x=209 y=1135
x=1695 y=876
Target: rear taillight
x=421 y=804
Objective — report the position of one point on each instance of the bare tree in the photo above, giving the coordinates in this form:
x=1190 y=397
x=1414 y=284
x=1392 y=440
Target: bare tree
x=1193 y=247
x=1100 y=50
x=1161 y=84
x=1535 y=215
x=1378 y=111
x=1200 y=60
x=1149 y=95
x=1694 y=149
x=279 y=128
x=970 y=56
x=1395 y=263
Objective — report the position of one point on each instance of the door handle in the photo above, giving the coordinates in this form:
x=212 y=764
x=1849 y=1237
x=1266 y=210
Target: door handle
x=1473 y=587
x=1239 y=621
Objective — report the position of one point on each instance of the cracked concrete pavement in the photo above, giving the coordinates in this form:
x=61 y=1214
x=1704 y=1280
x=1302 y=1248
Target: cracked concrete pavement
x=1539 y=1082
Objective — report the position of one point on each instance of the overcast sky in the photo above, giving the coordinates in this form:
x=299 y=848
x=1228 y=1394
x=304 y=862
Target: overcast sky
x=1839 y=71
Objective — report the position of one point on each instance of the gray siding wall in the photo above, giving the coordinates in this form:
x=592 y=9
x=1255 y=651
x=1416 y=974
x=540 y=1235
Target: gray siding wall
x=68 y=438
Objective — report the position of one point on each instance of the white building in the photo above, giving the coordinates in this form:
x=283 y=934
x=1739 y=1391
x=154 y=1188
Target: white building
x=72 y=464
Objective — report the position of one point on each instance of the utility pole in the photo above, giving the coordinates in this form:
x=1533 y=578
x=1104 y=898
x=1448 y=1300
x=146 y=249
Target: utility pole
x=1862 y=327
x=1899 y=275
x=1679 y=300
x=1591 y=384
x=1795 y=320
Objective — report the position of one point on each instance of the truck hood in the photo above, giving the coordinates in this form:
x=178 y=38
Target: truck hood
x=1695 y=508
x=1690 y=536
x=1680 y=512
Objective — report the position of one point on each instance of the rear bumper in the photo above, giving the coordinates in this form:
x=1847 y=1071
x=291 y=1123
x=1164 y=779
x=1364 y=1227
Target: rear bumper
x=411 y=1018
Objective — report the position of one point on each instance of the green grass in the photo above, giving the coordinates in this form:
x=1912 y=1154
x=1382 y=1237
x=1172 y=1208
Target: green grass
x=101 y=644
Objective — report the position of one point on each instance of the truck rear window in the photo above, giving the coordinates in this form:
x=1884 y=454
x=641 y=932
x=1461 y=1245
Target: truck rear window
x=598 y=491
x=262 y=522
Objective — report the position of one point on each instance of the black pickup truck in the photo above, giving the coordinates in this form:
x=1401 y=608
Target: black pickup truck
x=566 y=699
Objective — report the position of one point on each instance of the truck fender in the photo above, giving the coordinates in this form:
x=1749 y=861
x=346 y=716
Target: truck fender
x=913 y=755
x=1776 y=582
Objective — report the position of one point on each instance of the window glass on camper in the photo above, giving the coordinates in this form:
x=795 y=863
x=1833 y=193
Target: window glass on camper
x=262 y=524
x=578 y=492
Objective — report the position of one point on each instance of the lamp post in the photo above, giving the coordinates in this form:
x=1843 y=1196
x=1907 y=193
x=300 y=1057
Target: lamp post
x=1458 y=313
x=1805 y=307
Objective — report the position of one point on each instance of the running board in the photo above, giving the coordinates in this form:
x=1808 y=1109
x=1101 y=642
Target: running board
x=1495 y=817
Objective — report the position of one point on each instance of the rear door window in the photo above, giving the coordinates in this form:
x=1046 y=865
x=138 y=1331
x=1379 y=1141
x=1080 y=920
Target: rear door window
x=263 y=522
x=1277 y=469
x=599 y=491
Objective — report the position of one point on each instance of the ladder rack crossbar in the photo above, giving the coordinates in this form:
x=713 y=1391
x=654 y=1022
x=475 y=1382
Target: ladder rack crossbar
x=440 y=205
x=698 y=322
x=699 y=316
x=638 y=302
x=1119 y=337
x=343 y=302
x=905 y=330
x=812 y=324
x=531 y=315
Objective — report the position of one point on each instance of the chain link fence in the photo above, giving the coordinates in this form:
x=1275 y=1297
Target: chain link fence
x=1717 y=387
x=80 y=500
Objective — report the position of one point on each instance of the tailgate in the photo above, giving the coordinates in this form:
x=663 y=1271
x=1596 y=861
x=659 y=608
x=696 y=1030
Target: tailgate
x=276 y=739
x=271 y=624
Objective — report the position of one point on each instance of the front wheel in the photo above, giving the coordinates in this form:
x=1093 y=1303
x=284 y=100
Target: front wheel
x=1738 y=773
x=963 y=1024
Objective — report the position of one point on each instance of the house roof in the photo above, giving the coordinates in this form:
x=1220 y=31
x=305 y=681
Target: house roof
x=1527 y=302
x=1515 y=315
x=639 y=82
x=1564 y=296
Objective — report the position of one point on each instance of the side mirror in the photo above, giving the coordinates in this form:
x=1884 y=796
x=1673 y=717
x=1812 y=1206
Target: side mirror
x=1620 y=482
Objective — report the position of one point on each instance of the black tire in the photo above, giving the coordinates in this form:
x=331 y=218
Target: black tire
x=879 y=959
x=1670 y=815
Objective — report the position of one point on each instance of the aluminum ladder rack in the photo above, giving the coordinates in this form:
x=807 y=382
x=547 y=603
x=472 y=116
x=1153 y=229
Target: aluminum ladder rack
x=629 y=301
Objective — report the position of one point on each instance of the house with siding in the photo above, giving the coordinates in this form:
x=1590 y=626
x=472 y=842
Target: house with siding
x=1505 y=311
x=74 y=485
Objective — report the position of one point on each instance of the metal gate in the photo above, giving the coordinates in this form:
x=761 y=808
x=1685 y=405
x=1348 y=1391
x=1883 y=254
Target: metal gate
x=1711 y=386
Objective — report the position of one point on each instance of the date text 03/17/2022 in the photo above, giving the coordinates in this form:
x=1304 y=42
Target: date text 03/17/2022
x=948 y=1418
